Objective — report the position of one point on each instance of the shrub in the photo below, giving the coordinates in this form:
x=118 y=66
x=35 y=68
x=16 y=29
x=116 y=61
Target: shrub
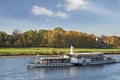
x=52 y=51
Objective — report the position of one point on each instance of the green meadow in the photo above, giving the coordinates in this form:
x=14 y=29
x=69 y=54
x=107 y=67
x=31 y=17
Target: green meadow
x=50 y=51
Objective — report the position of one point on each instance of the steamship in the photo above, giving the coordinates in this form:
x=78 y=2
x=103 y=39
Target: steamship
x=91 y=58
x=50 y=62
x=73 y=59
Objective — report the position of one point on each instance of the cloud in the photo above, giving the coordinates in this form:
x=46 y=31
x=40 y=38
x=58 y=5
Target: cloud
x=62 y=14
x=90 y=7
x=44 y=11
x=102 y=11
x=75 y=5
x=59 y=5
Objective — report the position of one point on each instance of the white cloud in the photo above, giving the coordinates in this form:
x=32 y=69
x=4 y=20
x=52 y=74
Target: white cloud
x=42 y=11
x=75 y=5
x=59 y=5
x=89 y=6
x=62 y=14
x=103 y=11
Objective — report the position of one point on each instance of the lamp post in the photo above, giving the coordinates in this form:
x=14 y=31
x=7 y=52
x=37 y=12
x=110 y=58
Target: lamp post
x=97 y=41
x=71 y=50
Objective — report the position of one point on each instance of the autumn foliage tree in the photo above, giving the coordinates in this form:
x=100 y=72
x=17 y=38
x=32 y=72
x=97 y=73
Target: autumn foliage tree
x=55 y=38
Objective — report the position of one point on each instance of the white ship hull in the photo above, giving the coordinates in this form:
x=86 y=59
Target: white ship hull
x=85 y=62
x=42 y=65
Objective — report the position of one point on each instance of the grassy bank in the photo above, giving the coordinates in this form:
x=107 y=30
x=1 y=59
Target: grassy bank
x=46 y=51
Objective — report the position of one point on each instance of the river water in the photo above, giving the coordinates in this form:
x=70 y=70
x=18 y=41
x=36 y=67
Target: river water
x=15 y=69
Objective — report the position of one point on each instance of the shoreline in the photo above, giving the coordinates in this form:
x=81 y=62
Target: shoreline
x=14 y=56
x=24 y=56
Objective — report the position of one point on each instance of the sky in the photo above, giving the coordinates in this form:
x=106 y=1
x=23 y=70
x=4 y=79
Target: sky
x=99 y=17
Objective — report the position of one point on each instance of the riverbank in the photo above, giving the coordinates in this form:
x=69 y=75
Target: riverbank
x=51 y=51
x=24 y=56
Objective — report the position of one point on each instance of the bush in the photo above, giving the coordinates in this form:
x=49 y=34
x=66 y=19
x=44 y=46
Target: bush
x=52 y=51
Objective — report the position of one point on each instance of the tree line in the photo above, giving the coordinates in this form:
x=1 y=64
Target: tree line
x=57 y=38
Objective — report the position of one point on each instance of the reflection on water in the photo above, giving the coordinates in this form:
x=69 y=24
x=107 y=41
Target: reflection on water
x=70 y=73
x=15 y=69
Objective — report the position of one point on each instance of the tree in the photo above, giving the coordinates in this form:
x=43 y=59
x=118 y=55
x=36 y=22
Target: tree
x=30 y=38
x=3 y=39
x=54 y=38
